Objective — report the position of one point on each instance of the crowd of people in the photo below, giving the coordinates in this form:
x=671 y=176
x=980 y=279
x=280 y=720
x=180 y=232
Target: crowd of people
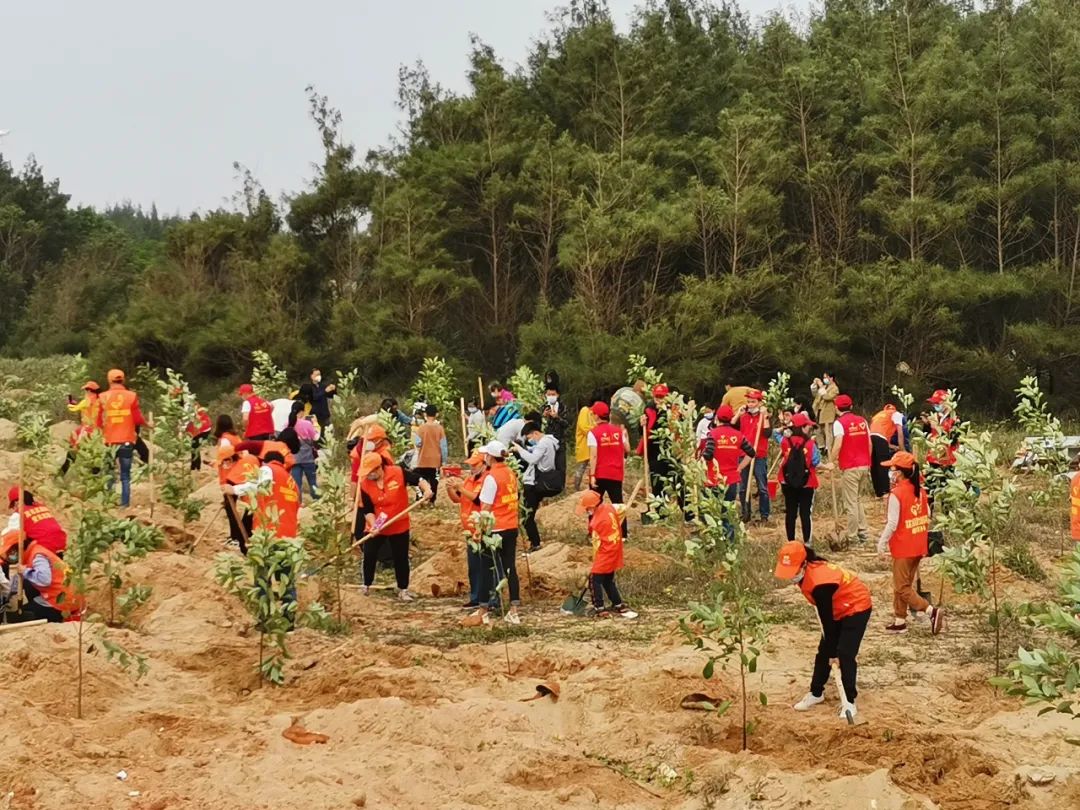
x=517 y=461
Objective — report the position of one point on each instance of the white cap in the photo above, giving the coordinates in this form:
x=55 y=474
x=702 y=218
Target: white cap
x=493 y=448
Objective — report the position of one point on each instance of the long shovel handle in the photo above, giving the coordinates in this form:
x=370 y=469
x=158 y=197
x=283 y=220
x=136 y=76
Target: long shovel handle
x=199 y=539
x=371 y=534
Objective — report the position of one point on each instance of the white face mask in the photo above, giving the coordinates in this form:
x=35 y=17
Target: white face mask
x=798 y=577
x=316 y=379
x=753 y=410
x=473 y=410
x=552 y=400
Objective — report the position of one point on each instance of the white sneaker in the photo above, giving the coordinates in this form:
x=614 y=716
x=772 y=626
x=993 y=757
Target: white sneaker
x=365 y=590
x=405 y=596
x=848 y=711
x=808 y=702
x=512 y=617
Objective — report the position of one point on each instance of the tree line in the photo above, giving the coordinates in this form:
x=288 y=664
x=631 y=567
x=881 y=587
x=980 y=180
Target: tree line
x=889 y=189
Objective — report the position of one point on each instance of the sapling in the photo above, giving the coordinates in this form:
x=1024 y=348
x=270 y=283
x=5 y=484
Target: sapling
x=730 y=627
x=396 y=433
x=973 y=513
x=1051 y=674
x=528 y=389
x=1046 y=451
x=638 y=368
x=675 y=437
x=435 y=385
x=177 y=410
x=269 y=381
x=483 y=540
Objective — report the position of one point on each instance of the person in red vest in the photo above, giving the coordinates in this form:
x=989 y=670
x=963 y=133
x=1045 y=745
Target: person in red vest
x=385 y=492
x=797 y=474
x=41 y=526
x=199 y=431
x=905 y=537
x=120 y=420
x=45 y=591
x=843 y=606
x=605 y=532
x=754 y=425
x=608 y=447
x=499 y=499
x=257 y=413
x=1074 y=506
x=851 y=452
x=726 y=453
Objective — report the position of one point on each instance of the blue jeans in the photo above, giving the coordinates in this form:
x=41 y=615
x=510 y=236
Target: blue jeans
x=730 y=494
x=124 y=454
x=301 y=471
x=761 y=476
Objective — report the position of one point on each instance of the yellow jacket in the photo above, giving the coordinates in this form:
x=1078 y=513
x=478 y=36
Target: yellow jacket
x=586 y=421
x=88 y=409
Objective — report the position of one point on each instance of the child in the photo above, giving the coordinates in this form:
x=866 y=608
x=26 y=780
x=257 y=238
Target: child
x=605 y=531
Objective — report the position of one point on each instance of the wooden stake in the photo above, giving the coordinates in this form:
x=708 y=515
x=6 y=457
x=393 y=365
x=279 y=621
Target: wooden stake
x=480 y=387
x=464 y=429
x=7 y=628
x=645 y=457
x=22 y=534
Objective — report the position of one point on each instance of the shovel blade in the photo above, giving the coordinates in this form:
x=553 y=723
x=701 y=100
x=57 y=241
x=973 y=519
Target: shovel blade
x=574 y=606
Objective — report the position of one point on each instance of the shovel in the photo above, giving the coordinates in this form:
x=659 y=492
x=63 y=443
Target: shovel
x=576 y=605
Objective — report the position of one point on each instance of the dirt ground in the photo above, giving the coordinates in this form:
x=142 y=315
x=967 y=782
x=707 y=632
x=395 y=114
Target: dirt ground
x=422 y=713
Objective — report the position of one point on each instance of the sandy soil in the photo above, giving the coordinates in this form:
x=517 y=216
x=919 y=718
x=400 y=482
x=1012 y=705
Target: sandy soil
x=422 y=713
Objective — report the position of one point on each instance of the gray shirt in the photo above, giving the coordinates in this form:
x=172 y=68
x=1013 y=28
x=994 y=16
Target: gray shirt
x=540 y=456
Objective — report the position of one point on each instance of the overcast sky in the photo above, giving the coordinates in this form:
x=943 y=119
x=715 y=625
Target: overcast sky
x=153 y=101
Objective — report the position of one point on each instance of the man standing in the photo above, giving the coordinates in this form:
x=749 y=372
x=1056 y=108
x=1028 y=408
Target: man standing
x=825 y=392
x=431 y=439
x=320 y=398
x=727 y=454
x=852 y=452
x=608 y=445
x=120 y=417
x=754 y=426
x=499 y=498
x=886 y=437
x=257 y=414
x=653 y=420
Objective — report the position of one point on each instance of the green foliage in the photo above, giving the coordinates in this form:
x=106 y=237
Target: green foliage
x=172 y=459
x=1044 y=447
x=1050 y=675
x=528 y=389
x=778 y=394
x=638 y=368
x=435 y=385
x=269 y=381
x=396 y=433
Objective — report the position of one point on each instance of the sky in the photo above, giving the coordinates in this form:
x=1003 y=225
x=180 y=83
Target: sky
x=153 y=101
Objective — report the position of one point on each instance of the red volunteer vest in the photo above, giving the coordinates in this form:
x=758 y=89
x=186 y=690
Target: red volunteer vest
x=724 y=469
x=610 y=457
x=855 y=451
x=41 y=527
x=750 y=427
x=260 y=419
x=947 y=424
x=807 y=448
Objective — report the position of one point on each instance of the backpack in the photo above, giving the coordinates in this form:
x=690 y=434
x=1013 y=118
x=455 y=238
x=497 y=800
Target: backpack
x=796 y=470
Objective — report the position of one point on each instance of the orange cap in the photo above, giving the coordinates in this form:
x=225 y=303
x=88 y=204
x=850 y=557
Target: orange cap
x=115 y=375
x=589 y=500
x=8 y=540
x=375 y=433
x=475 y=459
x=90 y=385
x=369 y=463
x=902 y=460
x=790 y=559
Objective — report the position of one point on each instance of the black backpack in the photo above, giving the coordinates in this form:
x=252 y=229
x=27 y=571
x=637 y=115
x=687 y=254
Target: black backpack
x=796 y=470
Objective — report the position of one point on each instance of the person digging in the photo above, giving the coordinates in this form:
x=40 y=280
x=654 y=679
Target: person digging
x=906 y=538
x=843 y=605
x=605 y=531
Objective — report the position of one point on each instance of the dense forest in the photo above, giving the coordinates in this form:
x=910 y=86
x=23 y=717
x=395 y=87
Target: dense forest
x=887 y=184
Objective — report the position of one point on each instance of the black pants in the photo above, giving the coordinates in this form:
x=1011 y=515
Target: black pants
x=799 y=503
x=501 y=563
x=262 y=437
x=534 y=496
x=196 y=453
x=845 y=647
x=399 y=549
x=431 y=475
x=879 y=476
x=601 y=584
x=247 y=520
x=32 y=610
x=141 y=450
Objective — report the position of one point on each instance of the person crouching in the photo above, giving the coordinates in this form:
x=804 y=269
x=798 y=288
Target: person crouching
x=605 y=531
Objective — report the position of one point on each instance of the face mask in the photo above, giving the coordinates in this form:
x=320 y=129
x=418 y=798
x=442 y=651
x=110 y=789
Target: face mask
x=707 y=415
x=893 y=477
x=552 y=400
x=798 y=578
x=473 y=410
x=316 y=379
x=826 y=380
x=753 y=410
x=939 y=408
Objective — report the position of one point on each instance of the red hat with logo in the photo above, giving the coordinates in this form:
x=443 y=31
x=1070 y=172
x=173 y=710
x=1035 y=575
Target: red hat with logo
x=600 y=410
x=843 y=402
x=245 y=389
x=801 y=419
x=660 y=391
x=755 y=393
x=938 y=397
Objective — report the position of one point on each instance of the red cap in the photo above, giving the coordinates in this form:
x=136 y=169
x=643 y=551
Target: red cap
x=660 y=391
x=754 y=393
x=245 y=389
x=801 y=419
x=13 y=495
x=600 y=410
x=843 y=402
x=724 y=413
x=938 y=396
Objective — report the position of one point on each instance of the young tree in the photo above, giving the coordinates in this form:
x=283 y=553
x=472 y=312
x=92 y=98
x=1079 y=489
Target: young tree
x=528 y=388
x=436 y=386
x=1044 y=443
x=269 y=381
x=172 y=443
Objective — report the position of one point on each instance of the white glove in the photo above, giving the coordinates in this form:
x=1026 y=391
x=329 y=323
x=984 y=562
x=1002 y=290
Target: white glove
x=882 y=546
